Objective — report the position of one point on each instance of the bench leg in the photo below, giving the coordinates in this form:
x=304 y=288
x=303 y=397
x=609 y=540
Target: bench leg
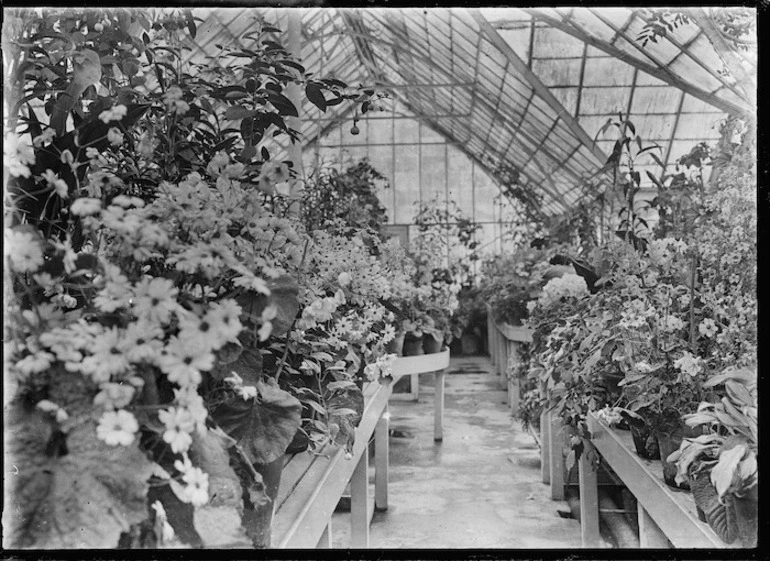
x=381 y=454
x=359 y=503
x=438 y=407
x=589 y=499
x=650 y=535
x=326 y=538
x=556 y=463
x=414 y=386
x=545 y=446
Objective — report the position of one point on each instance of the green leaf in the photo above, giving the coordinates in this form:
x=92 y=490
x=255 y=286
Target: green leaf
x=209 y=452
x=239 y=112
x=316 y=96
x=722 y=474
x=282 y=103
x=85 y=498
x=265 y=427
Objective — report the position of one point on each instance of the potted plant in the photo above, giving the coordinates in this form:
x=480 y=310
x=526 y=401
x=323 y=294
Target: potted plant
x=721 y=464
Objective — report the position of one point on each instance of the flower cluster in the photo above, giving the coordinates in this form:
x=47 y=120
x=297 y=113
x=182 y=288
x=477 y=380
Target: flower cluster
x=561 y=288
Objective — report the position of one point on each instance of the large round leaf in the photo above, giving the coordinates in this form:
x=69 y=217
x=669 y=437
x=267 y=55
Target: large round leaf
x=263 y=427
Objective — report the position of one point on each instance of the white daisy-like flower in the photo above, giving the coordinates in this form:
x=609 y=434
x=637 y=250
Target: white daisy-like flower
x=114 y=113
x=142 y=341
x=107 y=358
x=179 y=426
x=182 y=361
x=35 y=363
x=155 y=299
x=18 y=155
x=189 y=398
x=117 y=428
x=117 y=291
x=85 y=206
x=23 y=250
x=196 y=490
x=48 y=406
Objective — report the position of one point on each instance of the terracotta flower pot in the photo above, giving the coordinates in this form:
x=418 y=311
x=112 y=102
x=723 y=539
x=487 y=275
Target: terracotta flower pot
x=645 y=441
x=430 y=344
x=668 y=442
x=396 y=346
x=412 y=345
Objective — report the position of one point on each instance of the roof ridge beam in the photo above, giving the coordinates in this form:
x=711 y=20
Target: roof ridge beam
x=540 y=88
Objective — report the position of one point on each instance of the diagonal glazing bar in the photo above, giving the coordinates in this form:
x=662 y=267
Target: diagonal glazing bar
x=541 y=89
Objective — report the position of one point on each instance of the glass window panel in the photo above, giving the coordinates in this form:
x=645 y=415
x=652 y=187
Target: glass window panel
x=608 y=71
x=460 y=179
x=557 y=72
x=694 y=105
x=567 y=97
x=551 y=43
x=381 y=158
x=605 y=101
x=428 y=135
x=380 y=129
x=406 y=130
x=518 y=39
x=485 y=190
x=433 y=174
x=655 y=100
x=697 y=125
x=406 y=182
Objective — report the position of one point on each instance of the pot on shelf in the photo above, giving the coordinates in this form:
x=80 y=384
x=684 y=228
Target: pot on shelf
x=430 y=344
x=413 y=345
x=669 y=440
x=396 y=346
x=645 y=441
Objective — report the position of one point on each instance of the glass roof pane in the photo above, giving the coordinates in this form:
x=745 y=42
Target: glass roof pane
x=607 y=71
x=558 y=72
x=655 y=100
x=552 y=43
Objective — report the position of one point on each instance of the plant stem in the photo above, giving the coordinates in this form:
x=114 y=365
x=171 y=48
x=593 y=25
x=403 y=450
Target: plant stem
x=692 y=303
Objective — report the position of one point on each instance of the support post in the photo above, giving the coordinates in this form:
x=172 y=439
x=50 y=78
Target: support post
x=545 y=446
x=359 y=503
x=556 y=463
x=438 y=407
x=326 y=538
x=414 y=386
x=491 y=338
x=381 y=455
x=589 y=499
x=650 y=534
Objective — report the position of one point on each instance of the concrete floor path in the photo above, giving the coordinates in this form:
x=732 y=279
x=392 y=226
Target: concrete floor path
x=479 y=488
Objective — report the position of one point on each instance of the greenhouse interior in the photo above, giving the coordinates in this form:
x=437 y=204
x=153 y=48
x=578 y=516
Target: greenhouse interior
x=380 y=278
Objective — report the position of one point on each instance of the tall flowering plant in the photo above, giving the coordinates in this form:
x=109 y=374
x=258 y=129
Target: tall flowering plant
x=149 y=269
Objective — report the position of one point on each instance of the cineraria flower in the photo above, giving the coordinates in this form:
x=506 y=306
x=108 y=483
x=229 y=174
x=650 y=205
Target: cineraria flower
x=189 y=398
x=707 y=327
x=117 y=428
x=17 y=155
x=114 y=136
x=672 y=323
x=142 y=341
x=344 y=279
x=114 y=113
x=566 y=286
x=196 y=491
x=85 y=206
x=244 y=392
x=23 y=250
x=56 y=183
x=182 y=361
x=117 y=291
x=106 y=359
x=179 y=424
x=155 y=299
x=688 y=364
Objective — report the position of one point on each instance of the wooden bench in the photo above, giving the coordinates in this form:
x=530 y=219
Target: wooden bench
x=504 y=343
x=423 y=364
x=667 y=518
x=312 y=484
